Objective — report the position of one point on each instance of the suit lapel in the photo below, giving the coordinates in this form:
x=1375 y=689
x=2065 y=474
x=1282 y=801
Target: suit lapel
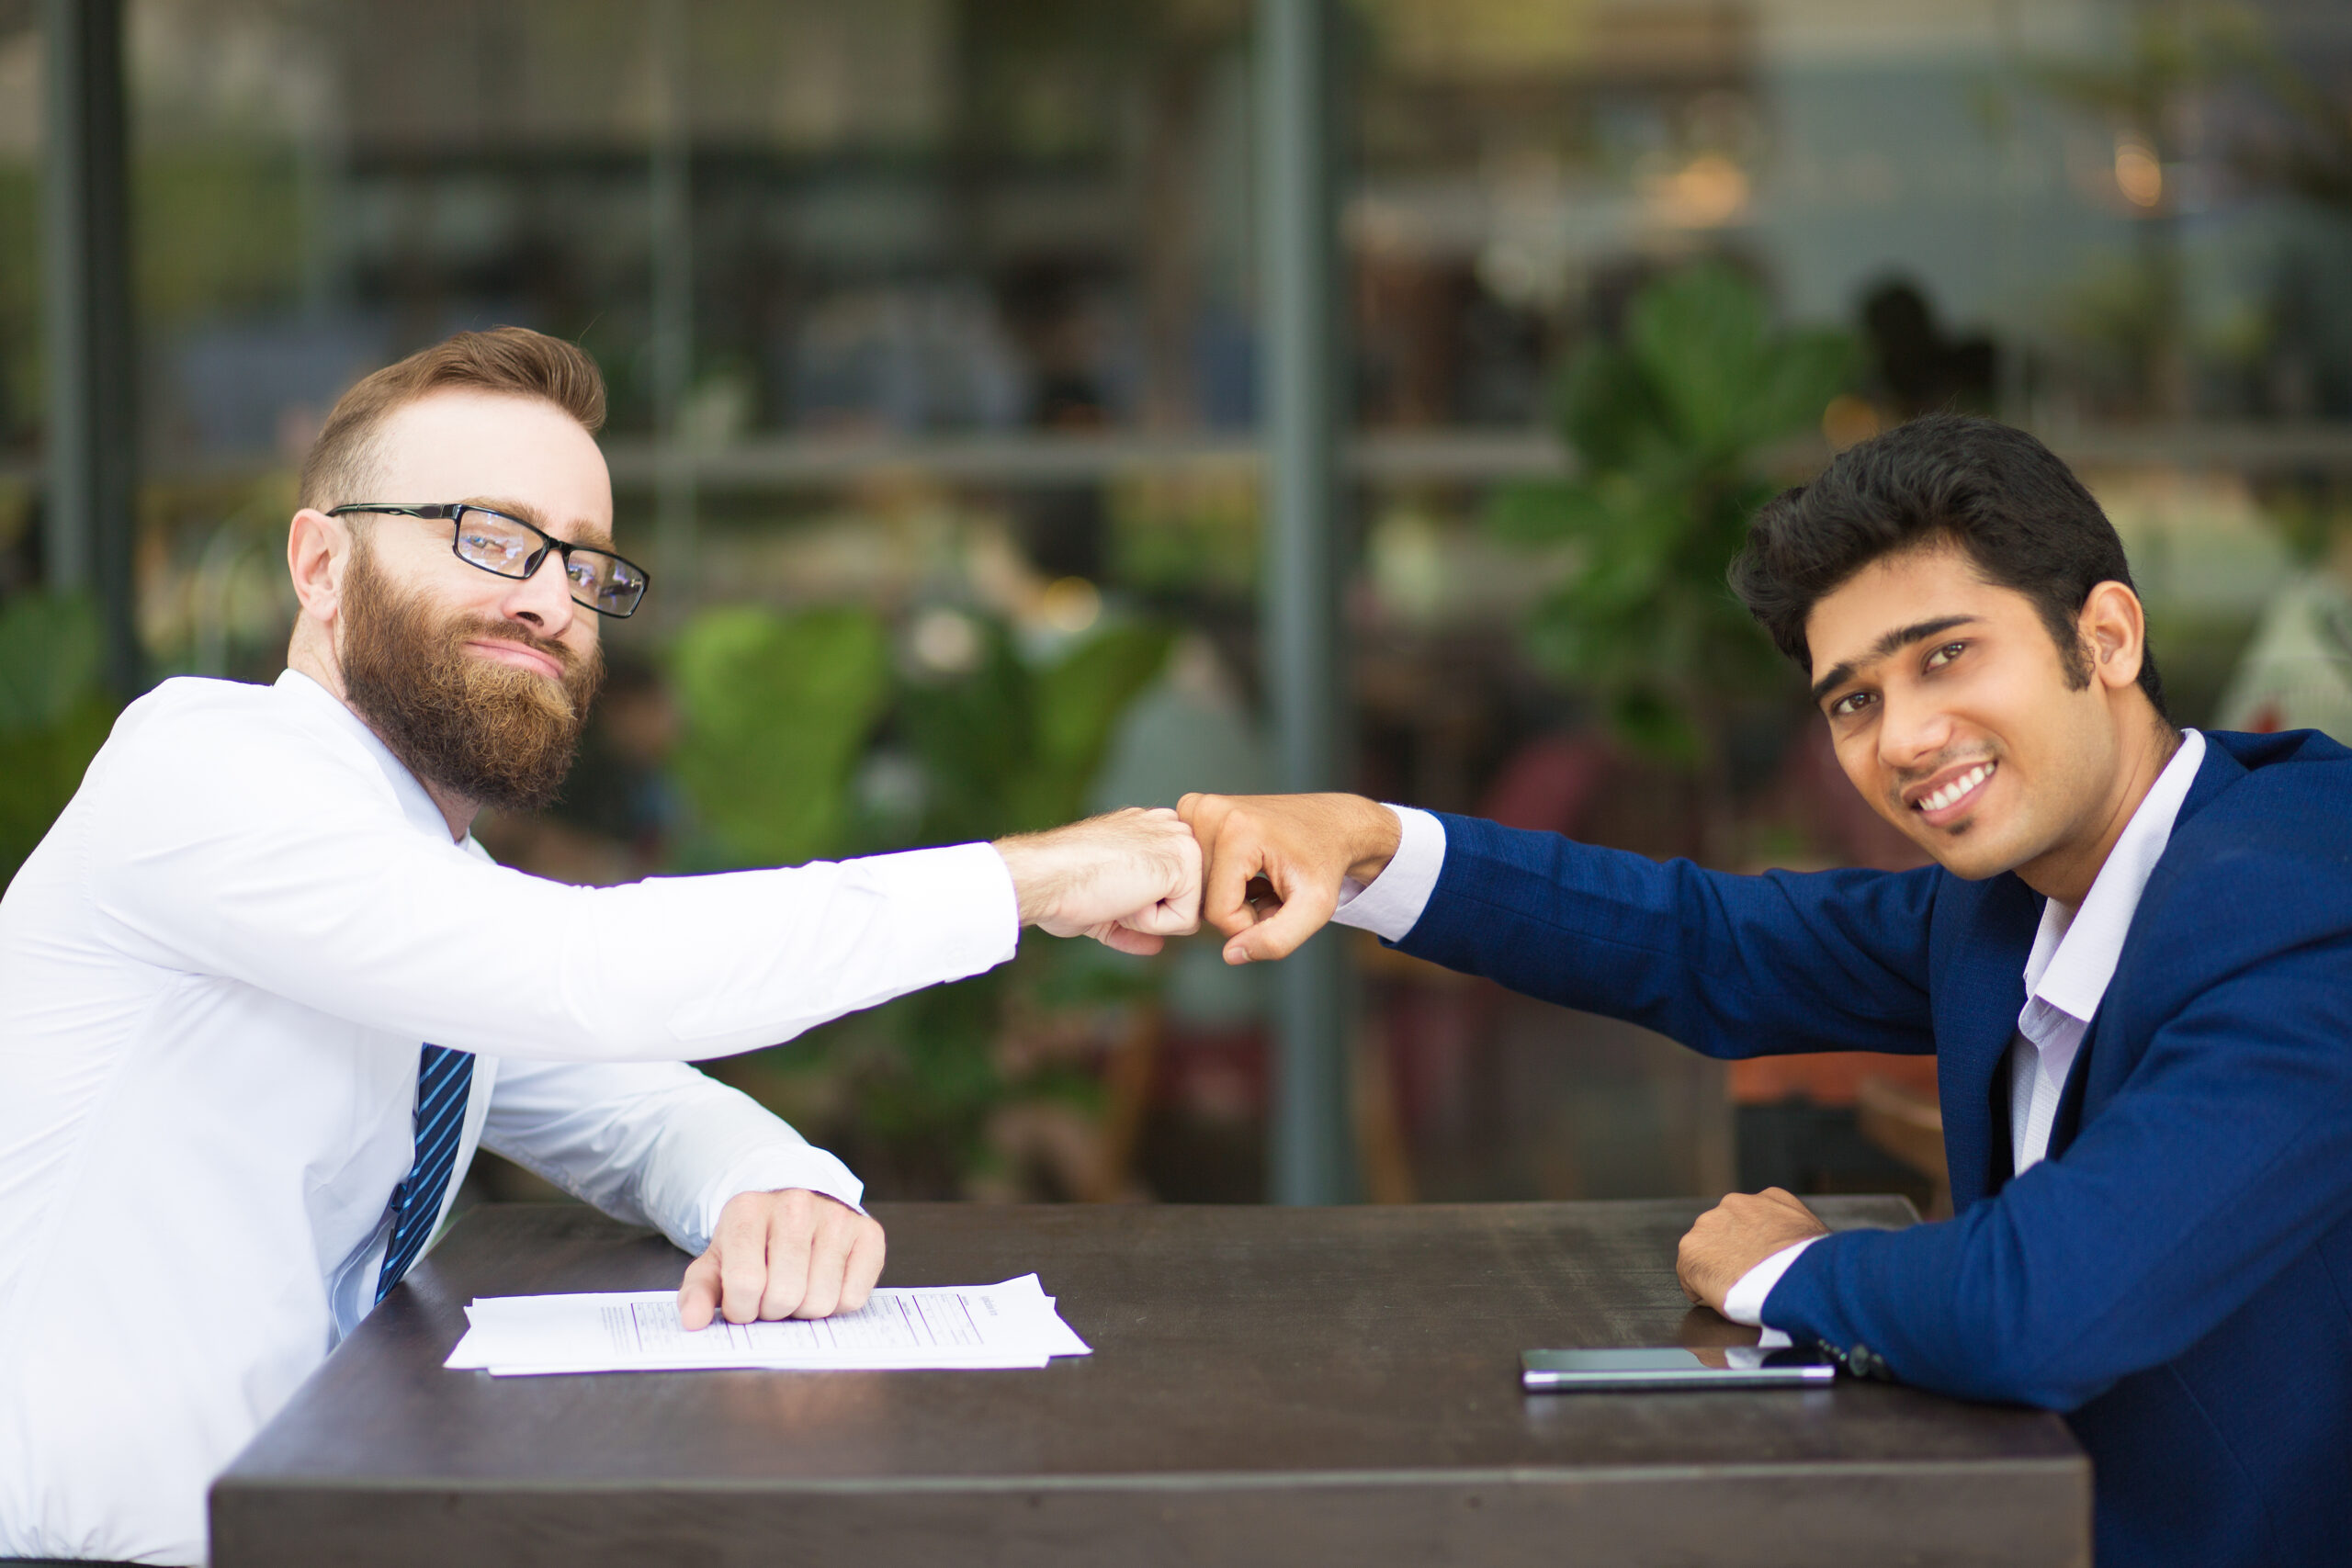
x=1977 y=993
x=2097 y=1074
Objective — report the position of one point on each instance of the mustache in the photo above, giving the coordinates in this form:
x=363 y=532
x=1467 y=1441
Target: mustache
x=1925 y=770
x=491 y=628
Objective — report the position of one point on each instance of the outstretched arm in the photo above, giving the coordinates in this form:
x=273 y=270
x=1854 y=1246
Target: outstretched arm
x=346 y=908
x=1730 y=966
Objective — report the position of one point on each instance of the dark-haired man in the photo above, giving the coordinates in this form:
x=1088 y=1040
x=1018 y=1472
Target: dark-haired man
x=2133 y=962
x=261 y=995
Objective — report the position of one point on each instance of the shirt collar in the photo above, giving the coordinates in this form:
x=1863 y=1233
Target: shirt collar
x=416 y=804
x=2076 y=951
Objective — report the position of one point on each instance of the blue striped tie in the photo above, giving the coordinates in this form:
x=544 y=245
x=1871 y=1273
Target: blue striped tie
x=442 y=1078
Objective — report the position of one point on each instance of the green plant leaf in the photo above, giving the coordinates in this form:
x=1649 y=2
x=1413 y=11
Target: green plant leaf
x=51 y=659
x=1807 y=369
x=1671 y=429
x=975 y=734
x=1079 y=697
x=1700 y=336
x=1608 y=409
x=1545 y=512
x=776 y=710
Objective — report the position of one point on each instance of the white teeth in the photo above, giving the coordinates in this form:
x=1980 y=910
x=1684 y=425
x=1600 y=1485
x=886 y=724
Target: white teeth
x=1957 y=788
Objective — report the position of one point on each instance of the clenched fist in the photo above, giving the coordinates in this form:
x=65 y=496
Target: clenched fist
x=1275 y=863
x=1130 y=880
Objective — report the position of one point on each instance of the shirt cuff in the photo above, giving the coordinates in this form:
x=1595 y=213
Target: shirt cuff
x=778 y=1167
x=1391 y=903
x=1744 y=1303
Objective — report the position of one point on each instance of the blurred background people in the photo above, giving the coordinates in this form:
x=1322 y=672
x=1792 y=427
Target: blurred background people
x=935 y=330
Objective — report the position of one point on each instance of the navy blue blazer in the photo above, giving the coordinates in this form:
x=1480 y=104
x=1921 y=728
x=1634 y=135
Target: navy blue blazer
x=2177 y=1276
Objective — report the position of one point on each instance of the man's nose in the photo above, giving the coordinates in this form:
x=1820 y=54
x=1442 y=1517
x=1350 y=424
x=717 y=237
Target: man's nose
x=544 y=599
x=1912 y=730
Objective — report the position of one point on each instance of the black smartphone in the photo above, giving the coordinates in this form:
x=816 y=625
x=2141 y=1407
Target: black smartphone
x=1710 y=1366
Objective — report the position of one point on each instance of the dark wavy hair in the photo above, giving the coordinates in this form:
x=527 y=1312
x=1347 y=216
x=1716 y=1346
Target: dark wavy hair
x=2023 y=518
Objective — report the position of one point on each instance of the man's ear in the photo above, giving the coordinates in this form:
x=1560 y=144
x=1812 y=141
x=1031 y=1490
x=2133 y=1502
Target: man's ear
x=2115 y=634
x=318 y=553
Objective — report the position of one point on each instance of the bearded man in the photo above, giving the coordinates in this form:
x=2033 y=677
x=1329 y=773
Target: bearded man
x=261 y=995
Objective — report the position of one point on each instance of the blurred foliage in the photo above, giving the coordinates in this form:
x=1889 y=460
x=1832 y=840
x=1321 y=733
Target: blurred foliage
x=1186 y=533
x=1010 y=746
x=227 y=225
x=2303 y=144
x=780 y=711
x=21 y=353
x=1670 y=427
x=2192 y=81
x=55 y=712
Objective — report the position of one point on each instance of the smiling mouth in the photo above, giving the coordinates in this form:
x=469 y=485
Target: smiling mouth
x=1958 y=789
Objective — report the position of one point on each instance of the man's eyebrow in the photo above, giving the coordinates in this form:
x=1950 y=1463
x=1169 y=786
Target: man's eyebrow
x=1901 y=636
x=593 y=538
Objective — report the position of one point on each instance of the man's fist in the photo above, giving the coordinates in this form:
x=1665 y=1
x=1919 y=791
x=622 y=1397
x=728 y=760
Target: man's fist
x=1734 y=1236
x=1129 y=880
x=1274 y=863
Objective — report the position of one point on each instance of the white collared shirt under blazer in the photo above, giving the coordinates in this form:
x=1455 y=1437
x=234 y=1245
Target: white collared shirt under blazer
x=216 y=975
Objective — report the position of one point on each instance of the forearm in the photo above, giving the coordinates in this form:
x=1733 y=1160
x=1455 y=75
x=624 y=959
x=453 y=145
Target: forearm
x=1730 y=966
x=656 y=1143
x=2224 y=1158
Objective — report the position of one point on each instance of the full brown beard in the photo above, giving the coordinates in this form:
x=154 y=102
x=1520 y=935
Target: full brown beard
x=496 y=734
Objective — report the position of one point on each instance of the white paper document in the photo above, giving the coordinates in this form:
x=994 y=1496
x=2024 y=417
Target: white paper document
x=953 y=1327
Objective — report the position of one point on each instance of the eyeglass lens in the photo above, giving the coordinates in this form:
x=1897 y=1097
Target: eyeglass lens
x=498 y=544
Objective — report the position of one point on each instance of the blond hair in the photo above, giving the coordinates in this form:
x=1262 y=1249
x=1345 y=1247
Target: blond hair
x=515 y=361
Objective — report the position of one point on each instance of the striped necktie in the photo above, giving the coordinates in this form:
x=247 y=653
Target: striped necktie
x=442 y=1078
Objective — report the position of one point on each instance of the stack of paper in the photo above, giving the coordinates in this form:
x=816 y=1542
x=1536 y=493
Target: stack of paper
x=1011 y=1325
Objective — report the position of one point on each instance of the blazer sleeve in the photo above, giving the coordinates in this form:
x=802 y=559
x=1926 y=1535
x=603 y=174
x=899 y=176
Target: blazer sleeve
x=2226 y=1149
x=1730 y=965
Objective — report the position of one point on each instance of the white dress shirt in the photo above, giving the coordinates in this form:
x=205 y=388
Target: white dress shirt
x=216 y=973
x=2073 y=956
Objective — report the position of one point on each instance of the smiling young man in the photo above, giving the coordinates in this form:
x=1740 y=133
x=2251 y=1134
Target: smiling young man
x=2132 y=960
x=262 y=997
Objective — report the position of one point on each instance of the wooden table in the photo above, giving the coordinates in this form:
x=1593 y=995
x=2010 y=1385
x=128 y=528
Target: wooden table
x=1277 y=1386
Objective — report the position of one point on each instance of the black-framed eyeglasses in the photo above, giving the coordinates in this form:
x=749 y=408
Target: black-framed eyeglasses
x=508 y=546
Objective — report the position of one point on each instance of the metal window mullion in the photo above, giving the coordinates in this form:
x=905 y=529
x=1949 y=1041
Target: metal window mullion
x=1310 y=1159
x=92 y=446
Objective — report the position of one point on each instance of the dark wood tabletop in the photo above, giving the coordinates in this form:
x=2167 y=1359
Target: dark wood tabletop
x=1268 y=1386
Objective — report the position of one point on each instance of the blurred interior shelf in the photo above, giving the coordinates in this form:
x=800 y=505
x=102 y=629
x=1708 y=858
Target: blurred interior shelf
x=1402 y=458
x=1023 y=459
x=1435 y=457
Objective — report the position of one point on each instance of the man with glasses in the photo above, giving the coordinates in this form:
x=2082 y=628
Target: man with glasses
x=261 y=995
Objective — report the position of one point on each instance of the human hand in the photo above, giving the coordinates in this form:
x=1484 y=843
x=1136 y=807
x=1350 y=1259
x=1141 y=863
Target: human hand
x=1300 y=846
x=1129 y=880
x=1734 y=1236
x=790 y=1254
